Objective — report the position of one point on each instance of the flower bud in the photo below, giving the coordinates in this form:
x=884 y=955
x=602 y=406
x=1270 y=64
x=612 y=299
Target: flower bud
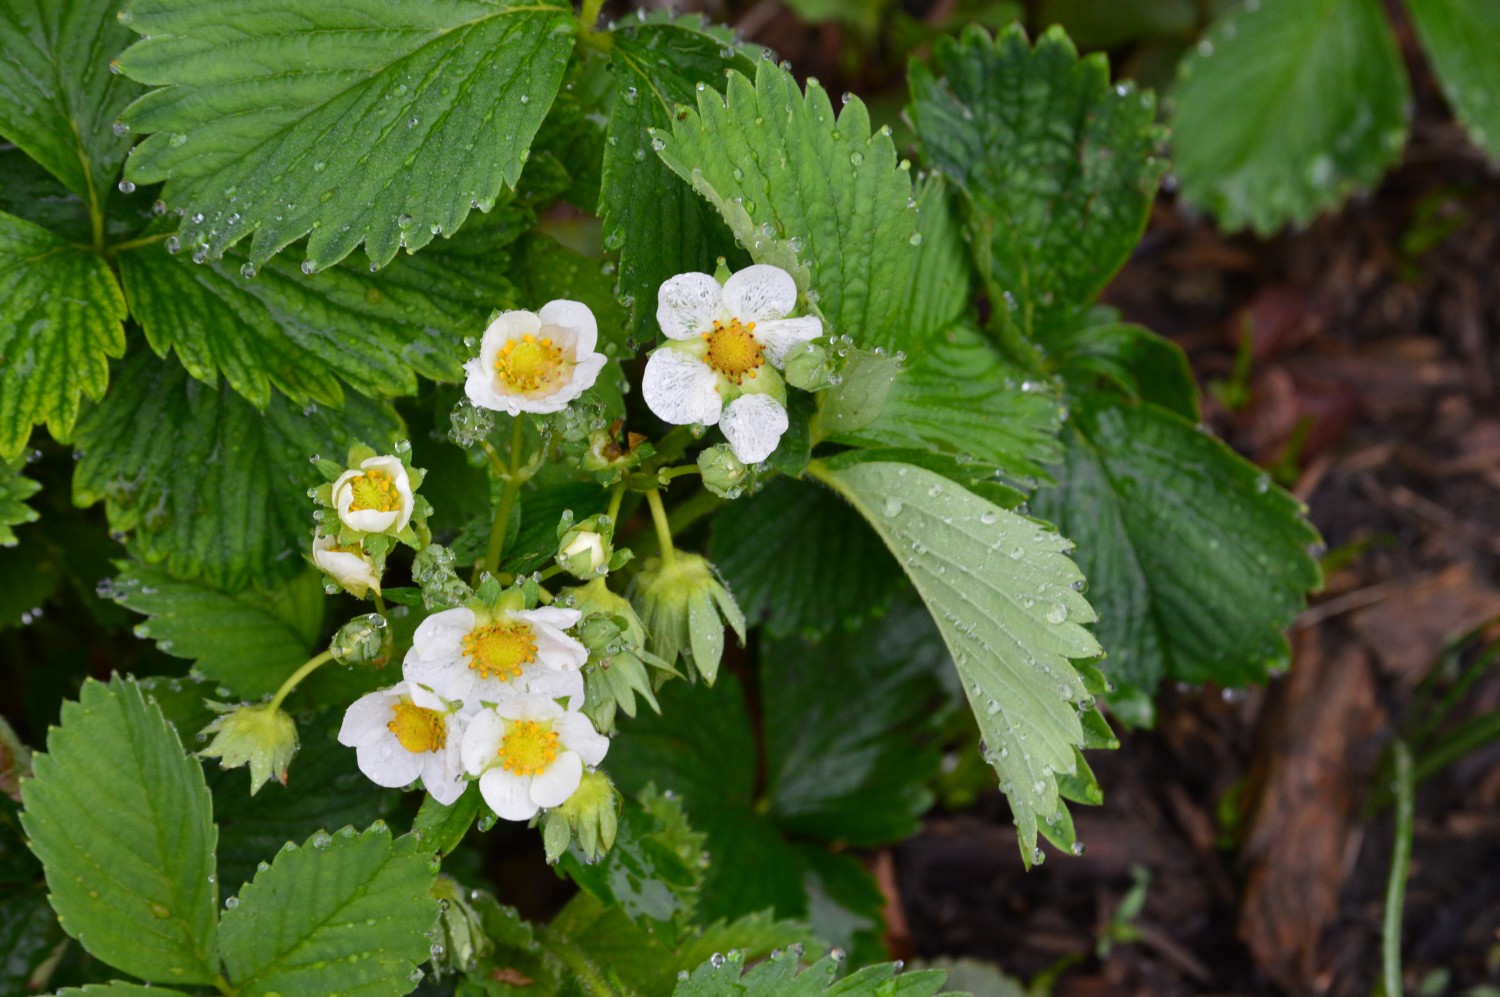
x=361 y=641
x=723 y=473
x=348 y=565
x=584 y=549
x=252 y=734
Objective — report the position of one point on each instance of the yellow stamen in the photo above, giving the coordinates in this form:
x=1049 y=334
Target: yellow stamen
x=530 y=365
x=733 y=351
x=500 y=649
x=375 y=490
x=417 y=728
x=529 y=746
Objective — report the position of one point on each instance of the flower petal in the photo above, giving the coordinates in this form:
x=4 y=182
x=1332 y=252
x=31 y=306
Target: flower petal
x=386 y=763
x=687 y=305
x=481 y=741
x=552 y=616
x=553 y=787
x=753 y=425
x=680 y=389
x=555 y=684
x=576 y=317
x=443 y=771
x=366 y=718
x=396 y=471
x=441 y=635
x=760 y=292
x=528 y=707
x=779 y=335
x=479 y=385
x=508 y=794
x=577 y=734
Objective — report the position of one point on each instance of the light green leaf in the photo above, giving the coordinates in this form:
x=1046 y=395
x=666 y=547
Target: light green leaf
x=1287 y=107
x=778 y=977
x=303 y=335
x=344 y=913
x=805 y=189
x=58 y=99
x=121 y=819
x=371 y=121
x=211 y=486
x=1005 y=597
x=60 y=315
x=1058 y=167
x=1461 y=38
x=15 y=489
x=249 y=640
x=657 y=63
x=1196 y=561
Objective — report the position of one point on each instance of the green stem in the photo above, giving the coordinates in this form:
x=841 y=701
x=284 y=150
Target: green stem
x=663 y=528
x=1395 y=890
x=507 y=497
x=312 y=665
x=668 y=473
x=380 y=605
x=615 y=498
x=223 y=986
x=589 y=15
x=128 y=244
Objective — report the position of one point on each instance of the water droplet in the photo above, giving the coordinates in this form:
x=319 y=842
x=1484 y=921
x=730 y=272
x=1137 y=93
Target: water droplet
x=892 y=507
x=231 y=902
x=126 y=187
x=1057 y=614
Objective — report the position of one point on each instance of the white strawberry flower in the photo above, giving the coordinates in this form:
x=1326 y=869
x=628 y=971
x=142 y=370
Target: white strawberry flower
x=535 y=361
x=727 y=344
x=375 y=497
x=460 y=656
x=350 y=566
x=395 y=741
x=529 y=754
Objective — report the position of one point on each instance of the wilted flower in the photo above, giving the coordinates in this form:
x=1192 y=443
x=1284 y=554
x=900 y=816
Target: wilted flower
x=348 y=565
x=591 y=816
x=535 y=361
x=529 y=753
x=257 y=735
x=396 y=741
x=375 y=497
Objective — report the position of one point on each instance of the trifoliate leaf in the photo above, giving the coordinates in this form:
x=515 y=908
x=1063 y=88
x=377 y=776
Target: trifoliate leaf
x=58 y=99
x=1195 y=559
x=277 y=327
x=1461 y=38
x=121 y=819
x=362 y=121
x=60 y=315
x=15 y=489
x=1057 y=165
x=1005 y=597
x=343 y=913
x=795 y=558
x=1286 y=107
x=248 y=640
x=211 y=486
x=721 y=976
x=657 y=64
x=805 y=189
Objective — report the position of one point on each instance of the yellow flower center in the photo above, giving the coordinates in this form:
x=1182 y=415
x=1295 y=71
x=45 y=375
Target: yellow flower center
x=529 y=746
x=530 y=365
x=418 y=729
x=500 y=649
x=733 y=351
x=375 y=490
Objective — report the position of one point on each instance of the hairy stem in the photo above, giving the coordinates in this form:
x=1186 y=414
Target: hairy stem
x=294 y=679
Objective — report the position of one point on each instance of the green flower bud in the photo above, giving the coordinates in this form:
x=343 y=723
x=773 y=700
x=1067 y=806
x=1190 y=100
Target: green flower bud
x=256 y=735
x=809 y=367
x=724 y=474
x=685 y=606
x=613 y=451
x=432 y=570
x=584 y=549
x=469 y=424
x=361 y=641
x=617 y=615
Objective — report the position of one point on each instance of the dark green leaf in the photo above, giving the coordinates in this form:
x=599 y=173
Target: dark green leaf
x=1461 y=38
x=367 y=121
x=1135 y=362
x=942 y=281
x=15 y=489
x=26 y=925
x=778 y=977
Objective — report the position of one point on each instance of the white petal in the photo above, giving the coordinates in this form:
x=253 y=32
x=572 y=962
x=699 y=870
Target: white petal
x=554 y=684
x=355 y=572
x=753 y=425
x=441 y=635
x=553 y=787
x=343 y=492
x=371 y=520
x=760 y=292
x=435 y=684
x=481 y=741
x=681 y=389
x=396 y=471
x=576 y=317
x=779 y=335
x=507 y=326
x=687 y=305
x=443 y=771
x=584 y=374
x=480 y=386
x=528 y=707
x=508 y=794
x=577 y=734
x=388 y=764
x=366 y=718
x=552 y=616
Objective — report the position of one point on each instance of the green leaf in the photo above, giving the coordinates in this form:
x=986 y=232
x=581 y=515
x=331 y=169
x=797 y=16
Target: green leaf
x=26 y=925
x=806 y=190
x=344 y=913
x=941 y=285
x=778 y=977
x=367 y=121
x=789 y=554
x=121 y=819
x=1059 y=168
x=58 y=99
x=15 y=489
x=1196 y=561
x=248 y=640
x=120 y=989
x=1005 y=597
x=1287 y=107
x=1461 y=38
x=652 y=870
x=657 y=64
x=60 y=315
x=442 y=828
x=303 y=335
x=959 y=395
x=211 y=486
x=1133 y=361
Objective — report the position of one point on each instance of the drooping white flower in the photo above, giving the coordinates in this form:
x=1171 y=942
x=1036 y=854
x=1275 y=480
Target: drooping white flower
x=529 y=753
x=457 y=656
x=727 y=344
x=535 y=361
x=375 y=497
x=395 y=741
x=351 y=567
